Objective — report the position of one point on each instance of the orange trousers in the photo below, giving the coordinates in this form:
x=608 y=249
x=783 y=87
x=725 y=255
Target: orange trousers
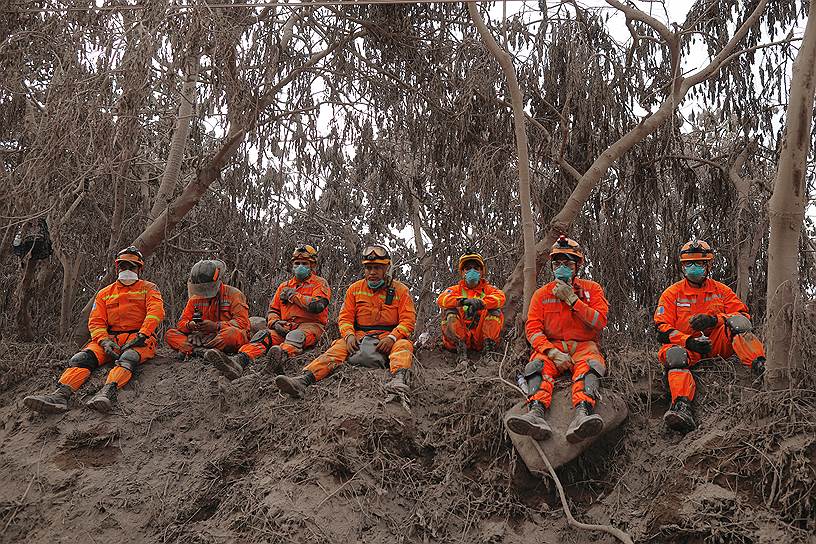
x=582 y=353
x=228 y=340
x=337 y=354
x=259 y=347
x=746 y=346
x=455 y=329
x=74 y=377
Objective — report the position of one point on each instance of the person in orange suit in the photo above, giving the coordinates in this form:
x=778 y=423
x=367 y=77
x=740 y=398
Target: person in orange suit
x=472 y=316
x=122 y=323
x=375 y=322
x=297 y=317
x=216 y=317
x=564 y=324
x=698 y=318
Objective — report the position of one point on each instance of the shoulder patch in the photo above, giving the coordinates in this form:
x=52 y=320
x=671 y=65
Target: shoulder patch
x=660 y=310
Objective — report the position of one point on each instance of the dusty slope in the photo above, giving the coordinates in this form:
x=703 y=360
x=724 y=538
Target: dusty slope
x=188 y=457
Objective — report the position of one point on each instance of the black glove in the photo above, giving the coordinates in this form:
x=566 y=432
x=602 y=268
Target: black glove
x=111 y=348
x=697 y=346
x=476 y=304
x=139 y=341
x=701 y=322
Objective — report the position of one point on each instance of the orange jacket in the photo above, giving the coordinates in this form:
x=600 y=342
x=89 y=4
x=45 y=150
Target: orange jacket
x=366 y=310
x=492 y=297
x=228 y=308
x=126 y=308
x=308 y=291
x=550 y=319
x=682 y=300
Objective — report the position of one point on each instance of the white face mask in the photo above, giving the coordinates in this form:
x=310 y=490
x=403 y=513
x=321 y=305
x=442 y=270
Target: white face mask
x=128 y=277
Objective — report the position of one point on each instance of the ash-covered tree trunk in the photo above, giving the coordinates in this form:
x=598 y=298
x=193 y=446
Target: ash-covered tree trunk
x=520 y=127
x=787 y=212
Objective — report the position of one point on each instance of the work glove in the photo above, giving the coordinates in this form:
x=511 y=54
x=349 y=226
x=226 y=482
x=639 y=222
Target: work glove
x=700 y=322
x=476 y=304
x=207 y=326
x=287 y=293
x=351 y=343
x=138 y=341
x=281 y=327
x=112 y=349
x=561 y=360
x=385 y=345
x=565 y=292
x=703 y=347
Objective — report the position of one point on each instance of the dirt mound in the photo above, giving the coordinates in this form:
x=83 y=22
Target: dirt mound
x=190 y=457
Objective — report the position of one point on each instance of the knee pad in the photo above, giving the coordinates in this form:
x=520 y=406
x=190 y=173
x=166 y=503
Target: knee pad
x=262 y=337
x=296 y=338
x=738 y=324
x=532 y=373
x=676 y=358
x=83 y=359
x=129 y=359
x=592 y=379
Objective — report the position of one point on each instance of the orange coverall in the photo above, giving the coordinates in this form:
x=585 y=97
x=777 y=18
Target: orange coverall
x=677 y=305
x=228 y=308
x=365 y=312
x=294 y=311
x=120 y=312
x=551 y=323
x=486 y=324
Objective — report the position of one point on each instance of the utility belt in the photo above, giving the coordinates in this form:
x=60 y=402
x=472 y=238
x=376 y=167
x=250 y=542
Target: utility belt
x=372 y=328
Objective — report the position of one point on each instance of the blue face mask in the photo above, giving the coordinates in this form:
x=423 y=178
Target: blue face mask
x=472 y=276
x=694 y=272
x=302 y=271
x=563 y=273
x=374 y=285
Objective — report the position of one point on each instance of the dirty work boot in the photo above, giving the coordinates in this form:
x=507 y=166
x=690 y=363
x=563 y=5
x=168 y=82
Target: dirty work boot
x=231 y=367
x=399 y=382
x=758 y=367
x=295 y=387
x=585 y=424
x=532 y=423
x=461 y=352
x=277 y=356
x=679 y=417
x=104 y=399
x=54 y=403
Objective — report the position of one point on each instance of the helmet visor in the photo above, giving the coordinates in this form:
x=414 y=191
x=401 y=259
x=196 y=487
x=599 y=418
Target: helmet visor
x=203 y=290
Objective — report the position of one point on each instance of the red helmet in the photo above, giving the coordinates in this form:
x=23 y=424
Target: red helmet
x=569 y=247
x=696 y=250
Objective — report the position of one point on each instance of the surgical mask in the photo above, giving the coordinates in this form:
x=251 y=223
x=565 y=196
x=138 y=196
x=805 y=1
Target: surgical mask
x=694 y=272
x=472 y=276
x=128 y=277
x=563 y=273
x=374 y=285
x=302 y=271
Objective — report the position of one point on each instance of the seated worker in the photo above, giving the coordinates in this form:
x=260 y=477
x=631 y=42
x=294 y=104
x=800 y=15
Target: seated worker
x=375 y=322
x=216 y=316
x=697 y=318
x=297 y=317
x=122 y=323
x=472 y=316
x=564 y=324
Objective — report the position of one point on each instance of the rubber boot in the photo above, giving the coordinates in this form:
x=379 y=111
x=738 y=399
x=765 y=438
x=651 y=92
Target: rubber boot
x=104 y=399
x=398 y=382
x=55 y=403
x=231 y=367
x=585 y=424
x=532 y=424
x=679 y=417
x=277 y=356
x=295 y=387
